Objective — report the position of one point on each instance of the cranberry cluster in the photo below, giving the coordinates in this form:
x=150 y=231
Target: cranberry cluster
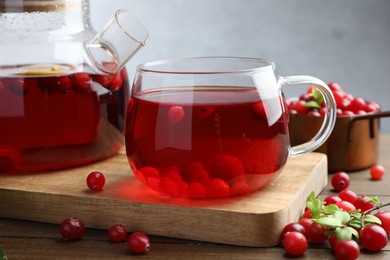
x=344 y=220
x=312 y=103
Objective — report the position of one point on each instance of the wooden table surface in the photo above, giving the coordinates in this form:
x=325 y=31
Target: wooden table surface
x=32 y=240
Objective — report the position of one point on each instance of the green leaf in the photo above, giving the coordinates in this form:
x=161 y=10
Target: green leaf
x=373 y=199
x=329 y=221
x=371 y=219
x=3 y=255
x=355 y=214
x=343 y=233
x=354 y=232
x=314 y=205
x=312 y=104
x=342 y=216
x=356 y=223
x=318 y=96
x=331 y=209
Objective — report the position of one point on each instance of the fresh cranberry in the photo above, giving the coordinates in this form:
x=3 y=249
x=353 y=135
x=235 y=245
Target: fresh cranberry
x=346 y=205
x=363 y=204
x=334 y=86
x=292 y=227
x=300 y=107
x=307 y=214
x=348 y=195
x=317 y=233
x=340 y=181
x=117 y=233
x=103 y=80
x=377 y=172
x=373 y=237
x=138 y=243
x=370 y=108
x=331 y=199
x=260 y=110
x=314 y=113
x=385 y=219
x=169 y=186
x=339 y=97
x=357 y=104
x=347 y=250
x=72 y=228
x=306 y=223
x=96 y=181
x=295 y=243
x=332 y=240
x=347 y=113
x=226 y=167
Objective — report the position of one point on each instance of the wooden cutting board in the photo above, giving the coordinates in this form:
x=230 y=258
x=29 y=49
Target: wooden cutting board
x=251 y=220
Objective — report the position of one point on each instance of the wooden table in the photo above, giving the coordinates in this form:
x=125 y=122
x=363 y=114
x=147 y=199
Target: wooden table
x=32 y=240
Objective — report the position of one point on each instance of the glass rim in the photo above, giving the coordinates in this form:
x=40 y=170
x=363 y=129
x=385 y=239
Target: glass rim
x=147 y=67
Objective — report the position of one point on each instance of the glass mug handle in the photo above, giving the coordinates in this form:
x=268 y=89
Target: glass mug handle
x=329 y=117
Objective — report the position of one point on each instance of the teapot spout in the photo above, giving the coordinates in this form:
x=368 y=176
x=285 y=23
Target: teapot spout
x=120 y=39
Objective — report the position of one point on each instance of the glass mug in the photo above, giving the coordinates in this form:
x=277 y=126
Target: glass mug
x=213 y=127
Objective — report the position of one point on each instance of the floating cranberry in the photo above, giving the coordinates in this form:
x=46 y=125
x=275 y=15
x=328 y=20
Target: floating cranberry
x=149 y=172
x=196 y=191
x=81 y=82
x=176 y=114
x=260 y=110
x=200 y=176
x=103 y=80
x=65 y=84
x=169 y=187
x=226 y=167
x=217 y=188
x=240 y=187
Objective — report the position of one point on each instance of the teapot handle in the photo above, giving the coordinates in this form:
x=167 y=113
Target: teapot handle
x=329 y=117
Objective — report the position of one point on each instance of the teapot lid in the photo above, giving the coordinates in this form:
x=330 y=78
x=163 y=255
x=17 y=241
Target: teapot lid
x=38 y=5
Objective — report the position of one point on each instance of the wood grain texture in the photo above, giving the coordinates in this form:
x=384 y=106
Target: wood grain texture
x=51 y=197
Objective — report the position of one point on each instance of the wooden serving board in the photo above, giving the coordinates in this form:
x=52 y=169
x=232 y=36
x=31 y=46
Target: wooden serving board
x=251 y=220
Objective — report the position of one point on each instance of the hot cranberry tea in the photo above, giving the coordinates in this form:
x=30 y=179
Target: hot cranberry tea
x=57 y=121
x=206 y=142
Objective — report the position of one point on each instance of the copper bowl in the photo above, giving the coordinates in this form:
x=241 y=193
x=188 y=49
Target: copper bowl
x=353 y=144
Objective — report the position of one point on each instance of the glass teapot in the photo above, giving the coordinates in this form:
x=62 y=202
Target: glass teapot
x=63 y=87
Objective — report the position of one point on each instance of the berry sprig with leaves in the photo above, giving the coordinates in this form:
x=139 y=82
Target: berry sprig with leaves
x=343 y=223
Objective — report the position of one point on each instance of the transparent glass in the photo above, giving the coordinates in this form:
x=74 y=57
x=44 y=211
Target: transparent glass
x=213 y=127
x=58 y=109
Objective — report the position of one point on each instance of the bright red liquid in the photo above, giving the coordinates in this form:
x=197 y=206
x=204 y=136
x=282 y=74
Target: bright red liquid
x=50 y=122
x=215 y=143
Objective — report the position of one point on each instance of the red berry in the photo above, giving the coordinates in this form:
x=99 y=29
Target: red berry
x=81 y=81
x=340 y=181
x=385 y=219
x=72 y=228
x=331 y=199
x=300 y=107
x=65 y=83
x=377 y=172
x=117 y=233
x=333 y=240
x=334 y=86
x=317 y=233
x=217 y=188
x=295 y=243
x=306 y=223
x=96 y=181
x=373 y=237
x=169 y=186
x=138 y=243
x=260 y=110
x=348 y=195
x=346 y=205
x=347 y=250
x=292 y=227
x=357 y=104
x=363 y=204
x=307 y=214
x=196 y=191
x=176 y=114
x=116 y=83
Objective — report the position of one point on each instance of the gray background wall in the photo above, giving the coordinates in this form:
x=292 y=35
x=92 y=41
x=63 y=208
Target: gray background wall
x=347 y=41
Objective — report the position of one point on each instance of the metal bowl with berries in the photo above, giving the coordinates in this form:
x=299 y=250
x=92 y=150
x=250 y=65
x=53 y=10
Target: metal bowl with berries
x=353 y=144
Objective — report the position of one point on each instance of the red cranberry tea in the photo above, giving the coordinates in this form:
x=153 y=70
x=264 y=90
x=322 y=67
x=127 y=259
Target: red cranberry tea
x=56 y=121
x=206 y=142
